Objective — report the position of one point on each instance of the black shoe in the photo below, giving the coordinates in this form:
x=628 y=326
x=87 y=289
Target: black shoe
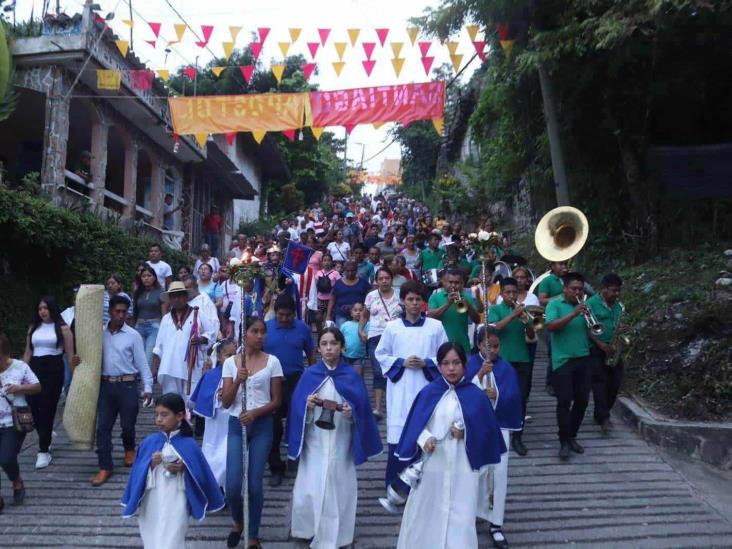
x=275 y=480
x=233 y=539
x=2 y=505
x=19 y=495
x=575 y=446
x=499 y=540
x=564 y=451
x=550 y=390
x=605 y=427
x=518 y=445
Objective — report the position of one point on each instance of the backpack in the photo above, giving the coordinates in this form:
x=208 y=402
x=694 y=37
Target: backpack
x=323 y=284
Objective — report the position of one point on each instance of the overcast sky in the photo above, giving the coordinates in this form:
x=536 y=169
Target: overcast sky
x=280 y=15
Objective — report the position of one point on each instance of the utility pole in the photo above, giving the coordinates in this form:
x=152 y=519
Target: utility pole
x=132 y=44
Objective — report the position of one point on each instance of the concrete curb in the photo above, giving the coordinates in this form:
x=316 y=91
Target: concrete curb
x=709 y=442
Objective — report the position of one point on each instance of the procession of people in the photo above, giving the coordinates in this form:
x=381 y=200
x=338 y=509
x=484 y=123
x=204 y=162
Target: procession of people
x=267 y=343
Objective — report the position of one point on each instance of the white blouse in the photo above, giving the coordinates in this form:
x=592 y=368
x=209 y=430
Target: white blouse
x=258 y=385
x=45 y=342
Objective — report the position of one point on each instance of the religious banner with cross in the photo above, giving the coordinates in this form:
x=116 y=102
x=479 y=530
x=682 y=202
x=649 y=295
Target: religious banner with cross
x=296 y=257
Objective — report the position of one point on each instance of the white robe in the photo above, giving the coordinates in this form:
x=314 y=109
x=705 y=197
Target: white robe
x=208 y=309
x=326 y=492
x=440 y=512
x=163 y=516
x=215 y=438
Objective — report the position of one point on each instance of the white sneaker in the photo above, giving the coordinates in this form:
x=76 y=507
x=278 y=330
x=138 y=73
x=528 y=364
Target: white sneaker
x=43 y=460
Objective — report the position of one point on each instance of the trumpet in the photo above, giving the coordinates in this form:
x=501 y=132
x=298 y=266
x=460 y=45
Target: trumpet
x=460 y=305
x=532 y=315
x=593 y=324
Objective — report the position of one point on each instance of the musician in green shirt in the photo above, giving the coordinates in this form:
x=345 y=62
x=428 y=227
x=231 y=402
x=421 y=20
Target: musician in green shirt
x=441 y=306
x=549 y=288
x=432 y=256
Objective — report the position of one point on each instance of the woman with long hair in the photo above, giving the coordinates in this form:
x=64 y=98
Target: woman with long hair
x=113 y=287
x=149 y=309
x=47 y=341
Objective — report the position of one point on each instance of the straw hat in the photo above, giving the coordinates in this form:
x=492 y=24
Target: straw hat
x=176 y=288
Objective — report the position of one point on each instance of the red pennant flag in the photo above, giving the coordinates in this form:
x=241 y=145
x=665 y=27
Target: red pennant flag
x=289 y=134
x=201 y=44
x=230 y=136
x=424 y=48
x=313 y=48
x=256 y=48
x=479 y=46
x=323 y=33
x=190 y=72
x=141 y=79
x=502 y=29
x=247 y=71
x=427 y=64
x=382 y=34
x=307 y=69
x=206 y=30
x=263 y=33
x=368 y=66
x=368 y=49
x=151 y=42
x=155 y=27
x=349 y=127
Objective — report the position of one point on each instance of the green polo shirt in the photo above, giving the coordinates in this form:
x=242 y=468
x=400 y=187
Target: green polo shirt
x=455 y=324
x=432 y=259
x=607 y=316
x=513 y=336
x=571 y=341
x=551 y=286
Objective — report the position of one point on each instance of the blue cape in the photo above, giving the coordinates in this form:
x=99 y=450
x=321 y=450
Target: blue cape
x=366 y=441
x=204 y=395
x=483 y=440
x=509 y=408
x=202 y=488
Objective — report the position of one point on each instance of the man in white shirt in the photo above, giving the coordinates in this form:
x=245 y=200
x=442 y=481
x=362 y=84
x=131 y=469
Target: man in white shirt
x=161 y=268
x=285 y=226
x=407 y=353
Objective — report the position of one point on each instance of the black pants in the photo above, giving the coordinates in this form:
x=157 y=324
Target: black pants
x=524 y=374
x=116 y=399
x=10 y=443
x=572 y=382
x=548 y=342
x=49 y=370
x=606 y=382
x=276 y=465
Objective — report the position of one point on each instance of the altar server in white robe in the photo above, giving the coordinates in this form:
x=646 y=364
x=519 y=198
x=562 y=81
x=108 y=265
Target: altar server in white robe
x=177 y=332
x=453 y=426
x=325 y=495
x=406 y=353
x=206 y=307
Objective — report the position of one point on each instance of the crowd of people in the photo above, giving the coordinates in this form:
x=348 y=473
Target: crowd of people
x=244 y=365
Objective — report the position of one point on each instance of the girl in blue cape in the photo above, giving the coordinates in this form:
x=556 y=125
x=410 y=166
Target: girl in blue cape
x=325 y=494
x=170 y=480
x=488 y=370
x=453 y=426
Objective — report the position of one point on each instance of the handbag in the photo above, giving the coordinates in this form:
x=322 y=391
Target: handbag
x=22 y=417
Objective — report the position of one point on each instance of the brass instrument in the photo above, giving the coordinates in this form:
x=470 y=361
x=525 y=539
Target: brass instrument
x=619 y=343
x=460 y=305
x=596 y=327
x=533 y=315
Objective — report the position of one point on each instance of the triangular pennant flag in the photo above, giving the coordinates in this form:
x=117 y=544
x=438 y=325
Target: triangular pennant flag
x=206 y=31
x=338 y=67
x=502 y=29
x=172 y=43
x=230 y=137
x=307 y=69
x=368 y=48
x=353 y=36
x=263 y=33
x=295 y=34
x=507 y=46
x=256 y=48
x=278 y=70
x=201 y=44
x=472 y=32
x=452 y=47
x=123 y=46
x=439 y=124
x=289 y=134
x=190 y=72
x=456 y=59
x=368 y=66
x=323 y=33
x=228 y=49
x=258 y=135
x=247 y=71
x=479 y=46
x=397 y=63
x=412 y=32
x=234 y=31
x=164 y=74
x=155 y=28
x=396 y=48
x=382 y=34
x=424 y=48
x=427 y=64
x=217 y=70
x=129 y=22
x=317 y=132
x=108 y=79
x=340 y=48
x=201 y=139
x=378 y=125
x=313 y=48
x=153 y=43
x=180 y=30
x=284 y=48
x=349 y=128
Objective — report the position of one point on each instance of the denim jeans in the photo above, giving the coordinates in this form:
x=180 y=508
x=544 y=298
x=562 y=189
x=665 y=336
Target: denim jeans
x=148 y=329
x=259 y=439
x=10 y=443
x=212 y=239
x=379 y=379
x=116 y=399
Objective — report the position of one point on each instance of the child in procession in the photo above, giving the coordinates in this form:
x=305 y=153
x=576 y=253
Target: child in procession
x=355 y=350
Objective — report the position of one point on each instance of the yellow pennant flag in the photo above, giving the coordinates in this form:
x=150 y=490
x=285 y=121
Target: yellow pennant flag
x=412 y=32
x=217 y=70
x=129 y=22
x=278 y=70
x=295 y=34
x=472 y=32
x=123 y=46
x=201 y=139
x=338 y=67
x=258 y=135
x=228 y=49
x=180 y=30
x=396 y=48
x=317 y=132
x=456 y=59
x=507 y=46
x=397 y=63
x=353 y=35
x=377 y=125
x=340 y=49
x=108 y=79
x=284 y=47
x=439 y=124
x=164 y=74
x=172 y=43
x=452 y=47
x=234 y=32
